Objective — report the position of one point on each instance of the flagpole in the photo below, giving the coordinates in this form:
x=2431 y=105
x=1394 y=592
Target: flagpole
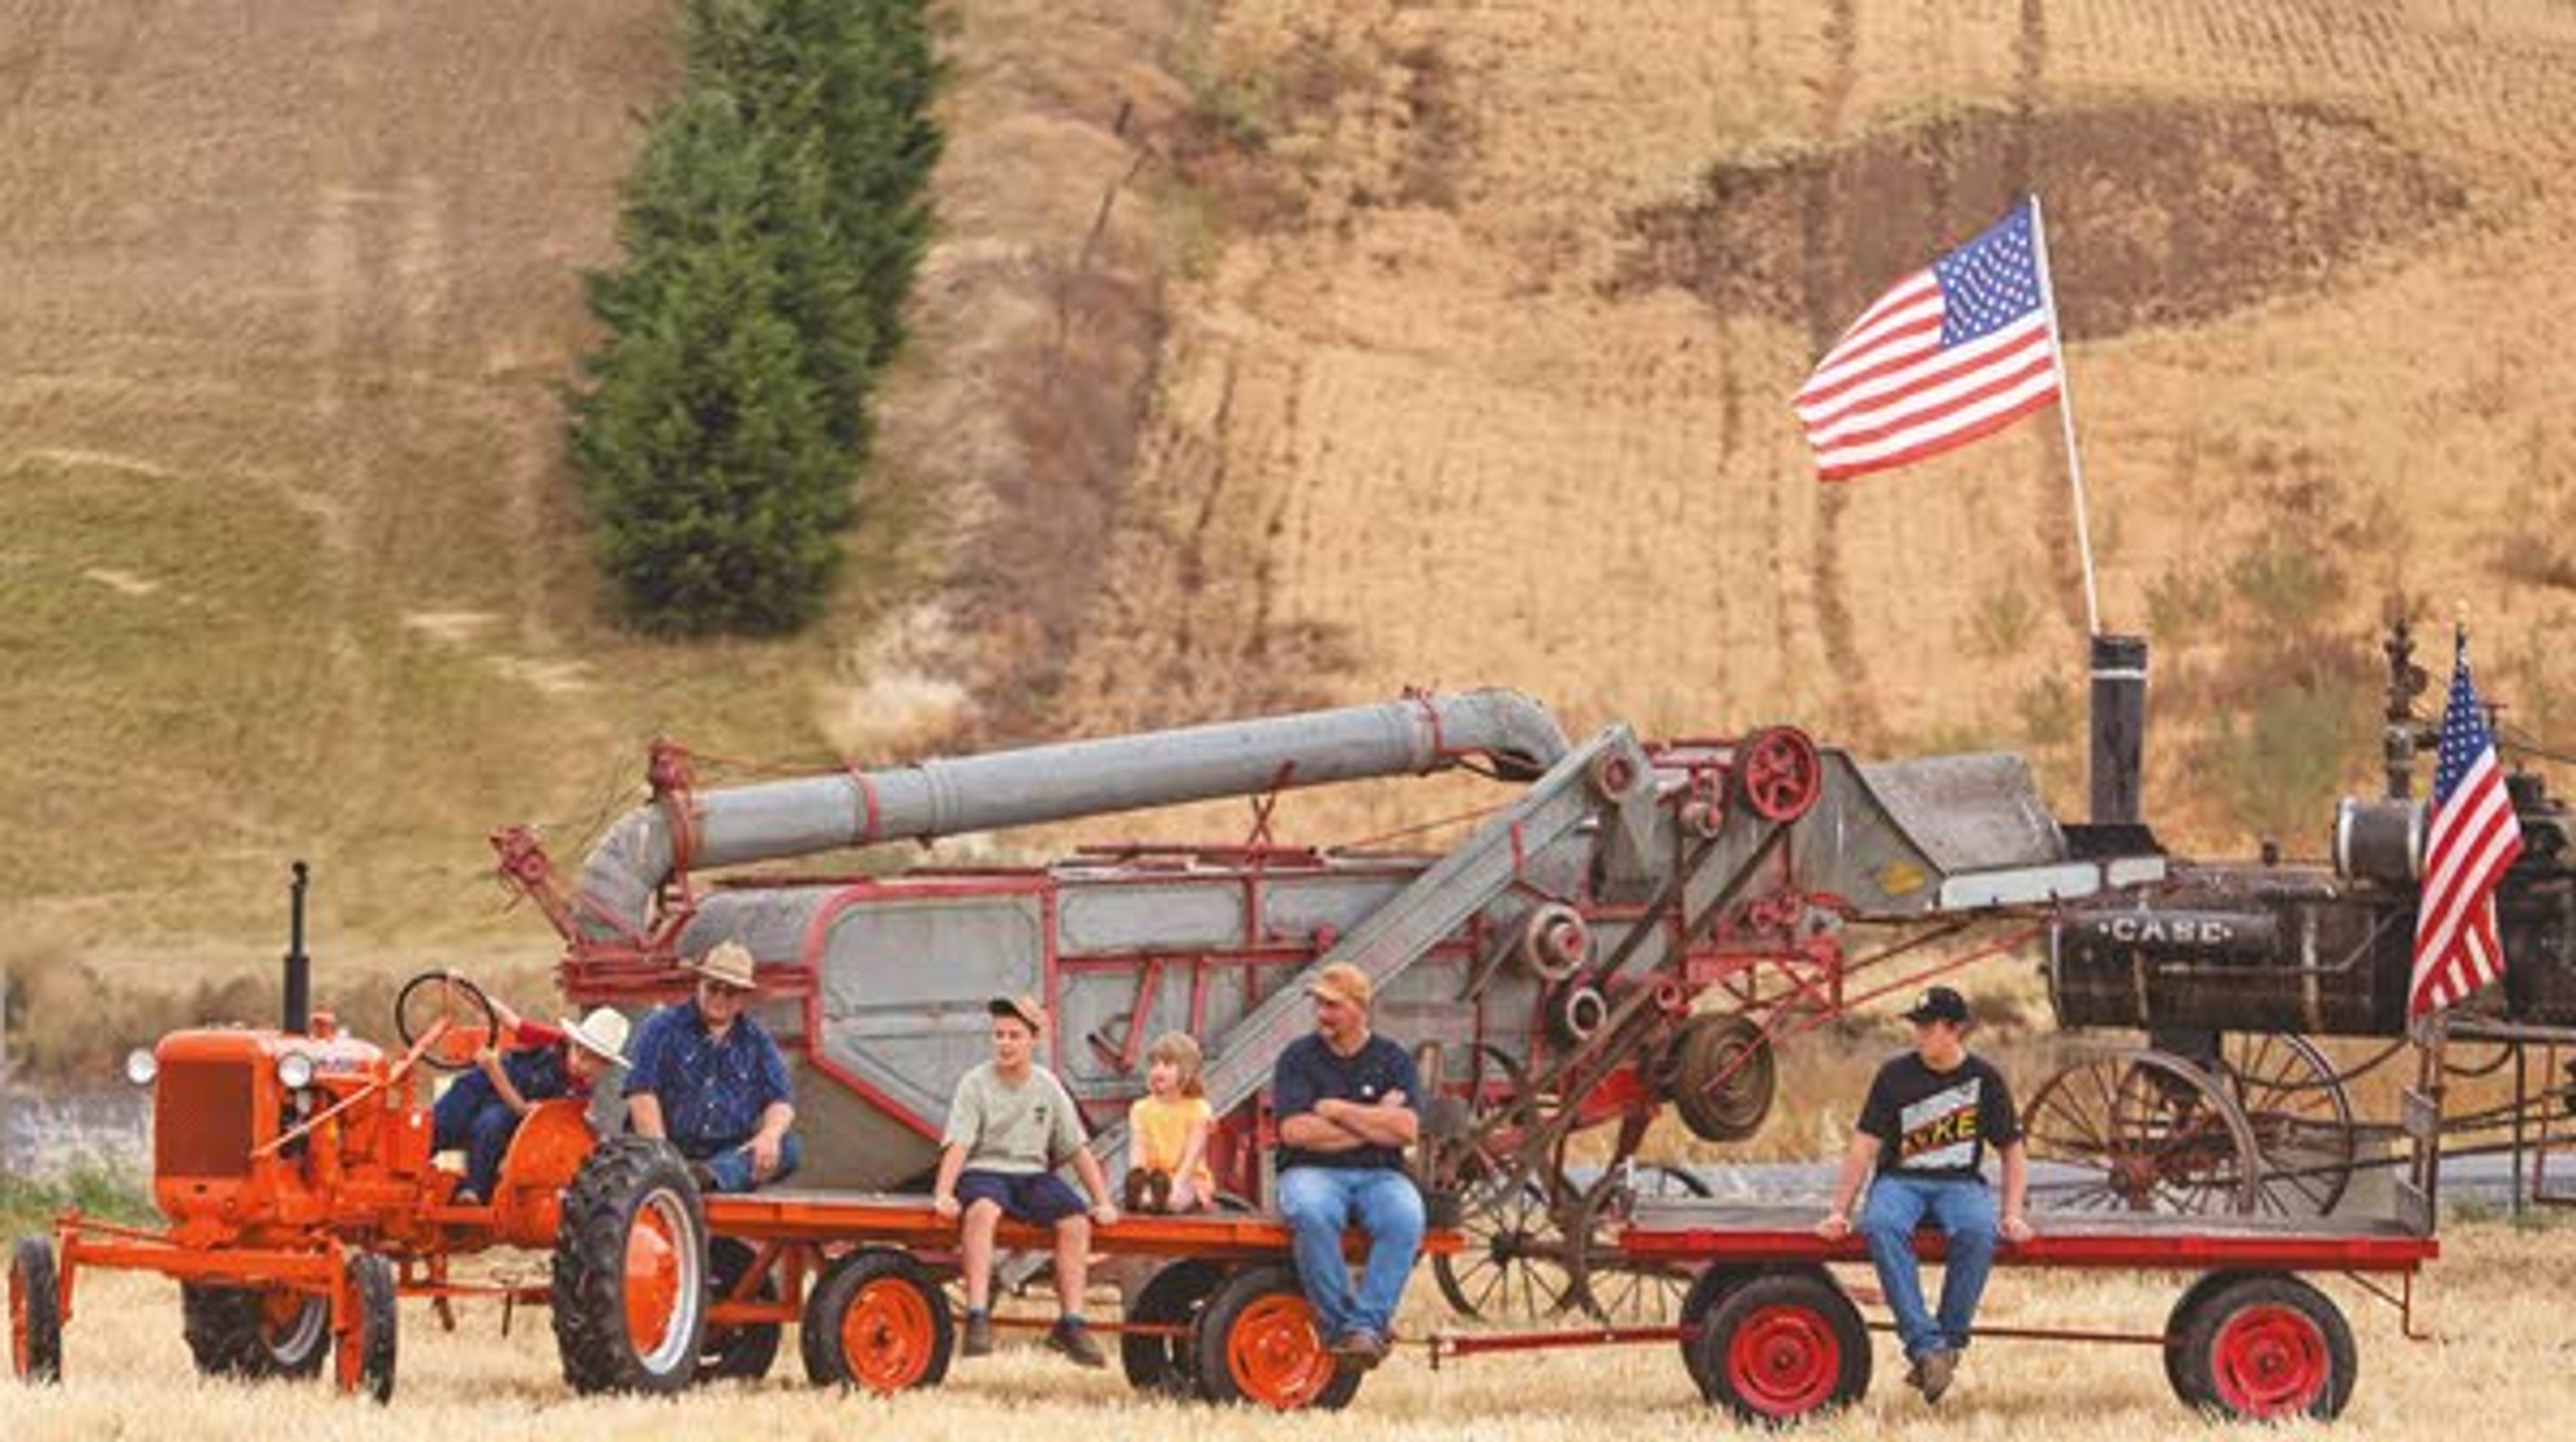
x=2066 y=417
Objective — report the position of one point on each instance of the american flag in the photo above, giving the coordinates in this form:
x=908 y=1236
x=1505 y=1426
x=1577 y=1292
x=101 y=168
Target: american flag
x=1957 y=350
x=2472 y=838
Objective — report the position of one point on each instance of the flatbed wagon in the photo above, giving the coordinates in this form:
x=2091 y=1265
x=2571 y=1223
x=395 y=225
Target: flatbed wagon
x=1768 y=1332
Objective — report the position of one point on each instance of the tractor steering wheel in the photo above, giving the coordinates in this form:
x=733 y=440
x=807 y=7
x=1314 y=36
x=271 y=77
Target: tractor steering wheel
x=442 y=996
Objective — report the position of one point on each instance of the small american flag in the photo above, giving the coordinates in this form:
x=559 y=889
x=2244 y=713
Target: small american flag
x=2473 y=838
x=1957 y=350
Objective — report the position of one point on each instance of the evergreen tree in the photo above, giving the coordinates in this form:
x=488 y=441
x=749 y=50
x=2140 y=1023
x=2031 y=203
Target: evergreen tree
x=711 y=471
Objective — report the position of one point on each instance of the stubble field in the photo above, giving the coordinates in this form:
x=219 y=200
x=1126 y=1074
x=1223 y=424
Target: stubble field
x=2501 y=1367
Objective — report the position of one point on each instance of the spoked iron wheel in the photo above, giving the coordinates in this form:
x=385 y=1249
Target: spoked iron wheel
x=1610 y=1287
x=2301 y=1118
x=2139 y=1131
x=1515 y=1263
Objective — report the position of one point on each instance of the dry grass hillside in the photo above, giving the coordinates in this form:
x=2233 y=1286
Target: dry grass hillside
x=1270 y=353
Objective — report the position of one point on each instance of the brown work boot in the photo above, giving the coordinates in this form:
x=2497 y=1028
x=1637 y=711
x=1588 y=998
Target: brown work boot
x=1074 y=1340
x=1937 y=1367
x=979 y=1335
x=1359 y=1349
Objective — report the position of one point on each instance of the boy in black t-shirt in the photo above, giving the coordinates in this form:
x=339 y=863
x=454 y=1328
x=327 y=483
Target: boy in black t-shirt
x=1923 y=1131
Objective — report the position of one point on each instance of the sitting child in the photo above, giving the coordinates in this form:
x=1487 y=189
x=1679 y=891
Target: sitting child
x=1010 y=1125
x=480 y=1110
x=1167 y=1132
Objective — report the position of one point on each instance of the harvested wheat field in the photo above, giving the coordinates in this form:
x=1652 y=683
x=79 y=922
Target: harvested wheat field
x=2501 y=1368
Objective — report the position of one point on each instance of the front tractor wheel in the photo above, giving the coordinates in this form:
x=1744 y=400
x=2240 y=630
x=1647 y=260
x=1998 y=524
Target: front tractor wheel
x=365 y=1351
x=630 y=1276
x=252 y=1334
x=35 y=1313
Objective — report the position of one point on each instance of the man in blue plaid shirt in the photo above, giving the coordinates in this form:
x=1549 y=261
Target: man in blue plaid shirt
x=709 y=1078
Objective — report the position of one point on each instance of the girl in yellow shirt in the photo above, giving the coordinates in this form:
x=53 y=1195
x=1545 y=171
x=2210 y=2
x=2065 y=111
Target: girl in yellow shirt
x=1168 y=1132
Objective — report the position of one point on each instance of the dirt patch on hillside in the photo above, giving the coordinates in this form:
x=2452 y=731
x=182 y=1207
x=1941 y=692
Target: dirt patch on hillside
x=2160 y=213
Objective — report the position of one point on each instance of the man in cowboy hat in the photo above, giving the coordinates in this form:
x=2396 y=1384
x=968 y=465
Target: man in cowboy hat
x=708 y=1078
x=531 y=1062
x=1010 y=1125
x=1923 y=1131
x=1348 y=1104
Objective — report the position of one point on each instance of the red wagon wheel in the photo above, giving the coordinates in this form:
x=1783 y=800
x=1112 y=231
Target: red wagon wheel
x=877 y=1323
x=1258 y=1342
x=1779 y=1347
x=2260 y=1346
x=1778 y=773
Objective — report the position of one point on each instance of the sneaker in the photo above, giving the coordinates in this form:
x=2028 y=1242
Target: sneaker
x=1937 y=1367
x=979 y=1334
x=1074 y=1340
x=1359 y=1349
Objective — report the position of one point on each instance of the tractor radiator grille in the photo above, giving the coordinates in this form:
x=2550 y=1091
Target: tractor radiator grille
x=201 y=1124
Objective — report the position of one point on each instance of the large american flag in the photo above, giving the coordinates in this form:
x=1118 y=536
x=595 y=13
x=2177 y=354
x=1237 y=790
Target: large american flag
x=2472 y=838
x=1957 y=350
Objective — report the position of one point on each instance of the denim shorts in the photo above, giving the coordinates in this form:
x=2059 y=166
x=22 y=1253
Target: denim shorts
x=1040 y=1197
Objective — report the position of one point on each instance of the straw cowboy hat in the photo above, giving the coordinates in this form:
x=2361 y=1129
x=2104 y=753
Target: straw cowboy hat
x=727 y=963
x=602 y=1034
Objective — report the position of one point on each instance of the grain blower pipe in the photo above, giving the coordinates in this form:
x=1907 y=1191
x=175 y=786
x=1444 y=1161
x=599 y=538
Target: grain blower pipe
x=954 y=796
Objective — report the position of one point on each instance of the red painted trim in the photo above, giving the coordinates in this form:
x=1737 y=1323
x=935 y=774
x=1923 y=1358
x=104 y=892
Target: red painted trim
x=2142 y=1250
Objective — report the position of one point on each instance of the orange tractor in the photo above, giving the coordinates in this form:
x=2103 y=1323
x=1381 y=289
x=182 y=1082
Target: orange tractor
x=294 y=1169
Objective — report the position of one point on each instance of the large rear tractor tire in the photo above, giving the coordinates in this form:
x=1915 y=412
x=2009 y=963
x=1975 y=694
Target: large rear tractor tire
x=630 y=1276
x=253 y=1334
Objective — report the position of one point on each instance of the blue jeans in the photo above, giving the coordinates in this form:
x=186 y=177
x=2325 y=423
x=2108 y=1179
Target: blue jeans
x=470 y=1116
x=1965 y=1212
x=730 y=1164
x=1319 y=1202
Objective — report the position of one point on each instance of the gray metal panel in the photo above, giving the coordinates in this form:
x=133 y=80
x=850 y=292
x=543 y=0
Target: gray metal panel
x=1161 y=915
x=1298 y=907
x=772 y=923
x=903 y=983
x=1969 y=813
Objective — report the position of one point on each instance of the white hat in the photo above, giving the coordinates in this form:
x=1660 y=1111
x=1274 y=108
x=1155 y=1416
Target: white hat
x=602 y=1034
x=727 y=963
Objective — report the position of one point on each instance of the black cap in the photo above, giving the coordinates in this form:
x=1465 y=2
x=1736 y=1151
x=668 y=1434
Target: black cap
x=1939 y=1003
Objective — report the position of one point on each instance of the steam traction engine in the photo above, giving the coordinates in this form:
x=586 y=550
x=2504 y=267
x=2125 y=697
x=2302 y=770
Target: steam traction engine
x=2240 y=973
x=1631 y=926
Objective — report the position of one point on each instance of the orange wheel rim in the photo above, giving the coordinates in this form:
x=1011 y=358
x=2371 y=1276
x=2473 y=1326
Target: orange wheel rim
x=888 y=1336
x=1276 y=1355
x=653 y=1268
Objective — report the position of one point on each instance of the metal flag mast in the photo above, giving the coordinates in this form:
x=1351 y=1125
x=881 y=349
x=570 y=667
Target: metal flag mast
x=2066 y=417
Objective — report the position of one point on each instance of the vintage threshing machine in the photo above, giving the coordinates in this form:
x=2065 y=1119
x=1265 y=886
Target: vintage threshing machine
x=1628 y=927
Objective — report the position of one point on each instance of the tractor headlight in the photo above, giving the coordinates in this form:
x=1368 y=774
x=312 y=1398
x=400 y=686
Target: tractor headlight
x=295 y=1071
x=141 y=1066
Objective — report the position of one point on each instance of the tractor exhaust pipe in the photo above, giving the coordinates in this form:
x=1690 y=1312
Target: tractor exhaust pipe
x=299 y=967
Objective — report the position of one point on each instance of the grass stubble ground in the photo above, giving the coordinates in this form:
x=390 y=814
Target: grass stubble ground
x=2499 y=1366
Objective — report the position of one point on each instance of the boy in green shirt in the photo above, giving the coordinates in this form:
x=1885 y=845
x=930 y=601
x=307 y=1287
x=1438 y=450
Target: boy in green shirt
x=1010 y=1126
